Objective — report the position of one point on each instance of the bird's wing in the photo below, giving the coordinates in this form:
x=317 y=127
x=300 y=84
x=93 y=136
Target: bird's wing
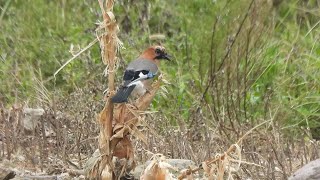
x=131 y=76
x=138 y=70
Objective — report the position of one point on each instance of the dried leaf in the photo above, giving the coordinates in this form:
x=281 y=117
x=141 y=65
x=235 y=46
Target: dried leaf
x=206 y=168
x=106 y=173
x=134 y=112
x=158 y=169
x=117 y=127
x=124 y=149
x=136 y=133
x=154 y=172
x=186 y=174
x=120 y=133
x=221 y=168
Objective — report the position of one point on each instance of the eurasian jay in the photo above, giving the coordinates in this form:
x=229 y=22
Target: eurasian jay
x=139 y=72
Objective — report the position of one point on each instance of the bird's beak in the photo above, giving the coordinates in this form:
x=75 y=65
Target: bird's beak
x=167 y=57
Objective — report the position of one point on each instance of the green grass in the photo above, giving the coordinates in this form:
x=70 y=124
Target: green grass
x=36 y=37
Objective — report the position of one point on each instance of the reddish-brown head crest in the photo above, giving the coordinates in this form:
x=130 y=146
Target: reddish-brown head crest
x=155 y=53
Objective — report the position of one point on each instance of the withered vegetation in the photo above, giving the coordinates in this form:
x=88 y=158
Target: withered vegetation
x=240 y=100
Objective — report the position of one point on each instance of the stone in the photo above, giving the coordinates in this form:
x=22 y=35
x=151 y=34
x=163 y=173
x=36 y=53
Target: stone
x=310 y=171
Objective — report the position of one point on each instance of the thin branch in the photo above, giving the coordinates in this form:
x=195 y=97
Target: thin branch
x=228 y=52
x=75 y=56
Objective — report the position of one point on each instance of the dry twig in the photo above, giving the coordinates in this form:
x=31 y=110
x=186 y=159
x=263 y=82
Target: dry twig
x=221 y=158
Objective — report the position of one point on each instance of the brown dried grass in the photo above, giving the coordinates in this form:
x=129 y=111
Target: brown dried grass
x=223 y=164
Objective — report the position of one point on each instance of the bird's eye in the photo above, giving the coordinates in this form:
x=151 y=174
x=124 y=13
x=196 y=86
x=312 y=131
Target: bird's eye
x=158 y=51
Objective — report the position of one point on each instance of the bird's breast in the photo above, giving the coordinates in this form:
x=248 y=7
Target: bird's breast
x=141 y=88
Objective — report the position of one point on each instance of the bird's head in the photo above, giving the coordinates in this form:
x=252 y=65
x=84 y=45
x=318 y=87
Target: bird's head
x=156 y=53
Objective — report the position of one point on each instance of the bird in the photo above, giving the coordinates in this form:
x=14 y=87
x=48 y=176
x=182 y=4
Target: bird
x=139 y=72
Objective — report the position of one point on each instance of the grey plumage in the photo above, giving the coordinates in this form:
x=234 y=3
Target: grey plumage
x=142 y=64
x=137 y=71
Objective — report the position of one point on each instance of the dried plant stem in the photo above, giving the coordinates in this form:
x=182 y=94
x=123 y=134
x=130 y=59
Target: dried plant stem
x=129 y=116
x=222 y=156
x=76 y=55
x=116 y=122
x=108 y=46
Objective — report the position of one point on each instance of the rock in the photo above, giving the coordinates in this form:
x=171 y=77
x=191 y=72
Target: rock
x=31 y=118
x=10 y=175
x=310 y=171
x=5 y=171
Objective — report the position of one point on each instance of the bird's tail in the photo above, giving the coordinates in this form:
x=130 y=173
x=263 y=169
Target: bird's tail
x=122 y=94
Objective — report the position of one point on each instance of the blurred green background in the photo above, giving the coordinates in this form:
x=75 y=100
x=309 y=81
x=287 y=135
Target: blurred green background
x=236 y=63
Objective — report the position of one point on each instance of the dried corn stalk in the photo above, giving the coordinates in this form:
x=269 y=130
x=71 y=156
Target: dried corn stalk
x=116 y=122
x=103 y=169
